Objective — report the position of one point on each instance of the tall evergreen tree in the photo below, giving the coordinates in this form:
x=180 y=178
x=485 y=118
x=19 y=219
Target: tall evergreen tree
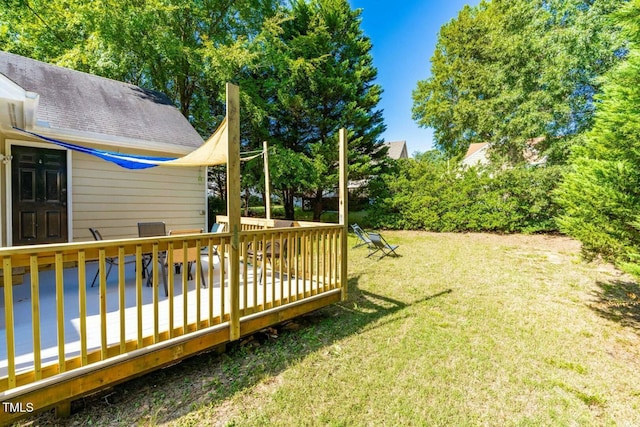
x=601 y=194
x=323 y=79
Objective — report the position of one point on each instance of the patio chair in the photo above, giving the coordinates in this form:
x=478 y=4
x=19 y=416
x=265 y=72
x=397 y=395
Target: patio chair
x=153 y=229
x=378 y=244
x=361 y=235
x=110 y=261
x=215 y=228
x=269 y=251
x=192 y=255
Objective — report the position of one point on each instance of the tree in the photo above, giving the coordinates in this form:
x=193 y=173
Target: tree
x=601 y=194
x=508 y=71
x=305 y=70
x=185 y=49
x=324 y=74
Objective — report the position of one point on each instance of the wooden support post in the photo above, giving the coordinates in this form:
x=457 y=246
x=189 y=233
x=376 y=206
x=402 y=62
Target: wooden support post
x=233 y=205
x=9 y=325
x=219 y=349
x=63 y=409
x=343 y=210
x=267 y=183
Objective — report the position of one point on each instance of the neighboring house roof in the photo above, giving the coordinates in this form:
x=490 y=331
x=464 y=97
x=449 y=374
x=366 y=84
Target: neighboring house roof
x=476 y=154
x=397 y=149
x=78 y=103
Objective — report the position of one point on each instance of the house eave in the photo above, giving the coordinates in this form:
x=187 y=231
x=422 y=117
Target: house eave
x=11 y=90
x=18 y=108
x=110 y=142
x=22 y=113
x=14 y=103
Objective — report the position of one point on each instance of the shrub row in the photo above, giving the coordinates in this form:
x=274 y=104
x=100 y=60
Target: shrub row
x=428 y=194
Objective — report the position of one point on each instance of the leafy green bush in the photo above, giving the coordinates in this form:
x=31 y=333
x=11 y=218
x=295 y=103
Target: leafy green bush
x=428 y=193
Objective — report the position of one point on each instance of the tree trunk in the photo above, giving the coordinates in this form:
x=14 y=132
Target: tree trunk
x=219 y=180
x=317 y=206
x=289 y=211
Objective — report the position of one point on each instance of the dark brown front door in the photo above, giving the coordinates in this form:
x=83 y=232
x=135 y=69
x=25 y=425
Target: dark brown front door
x=39 y=195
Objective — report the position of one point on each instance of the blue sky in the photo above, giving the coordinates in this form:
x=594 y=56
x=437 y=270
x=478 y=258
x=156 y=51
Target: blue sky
x=404 y=35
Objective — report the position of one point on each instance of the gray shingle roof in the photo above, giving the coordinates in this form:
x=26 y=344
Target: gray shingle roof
x=72 y=100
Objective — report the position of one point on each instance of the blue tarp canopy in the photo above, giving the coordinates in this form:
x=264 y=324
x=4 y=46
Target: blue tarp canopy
x=212 y=152
x=129 y=161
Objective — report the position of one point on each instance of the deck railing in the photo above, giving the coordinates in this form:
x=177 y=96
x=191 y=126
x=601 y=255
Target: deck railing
x=56 y=326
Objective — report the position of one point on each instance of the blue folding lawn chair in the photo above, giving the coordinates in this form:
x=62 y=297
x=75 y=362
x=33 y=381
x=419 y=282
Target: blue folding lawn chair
x=363 y=239
x=378 y=244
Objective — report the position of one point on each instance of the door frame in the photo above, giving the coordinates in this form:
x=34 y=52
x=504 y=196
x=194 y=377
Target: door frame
x=9 y=143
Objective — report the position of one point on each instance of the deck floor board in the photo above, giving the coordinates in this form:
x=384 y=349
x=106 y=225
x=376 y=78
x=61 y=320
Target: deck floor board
x=47 y=301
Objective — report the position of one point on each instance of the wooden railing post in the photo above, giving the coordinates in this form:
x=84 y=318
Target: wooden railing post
x=267 y=181
x=8 y=319
x=233 y=204
x=343 y=210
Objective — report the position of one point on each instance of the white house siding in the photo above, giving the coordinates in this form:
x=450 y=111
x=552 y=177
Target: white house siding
x=114 y=199
x=479 y=157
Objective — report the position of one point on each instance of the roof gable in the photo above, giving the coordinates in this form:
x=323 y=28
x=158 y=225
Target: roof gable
x=70 y=100
x=476 y=154
x=473 y=148
x=397 y=150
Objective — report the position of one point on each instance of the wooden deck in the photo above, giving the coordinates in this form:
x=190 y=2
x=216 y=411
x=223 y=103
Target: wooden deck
x=60 y=338
x=268 y=295
x=140 y=334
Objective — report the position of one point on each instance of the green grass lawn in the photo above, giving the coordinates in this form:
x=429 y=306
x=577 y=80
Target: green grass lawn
x=462 y=329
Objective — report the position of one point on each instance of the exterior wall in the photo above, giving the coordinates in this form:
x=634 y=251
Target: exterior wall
x=113 y=200
x=477 y=158
x=3 y=195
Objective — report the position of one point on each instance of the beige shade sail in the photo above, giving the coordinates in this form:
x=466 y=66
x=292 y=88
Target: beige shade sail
x=212 y=152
